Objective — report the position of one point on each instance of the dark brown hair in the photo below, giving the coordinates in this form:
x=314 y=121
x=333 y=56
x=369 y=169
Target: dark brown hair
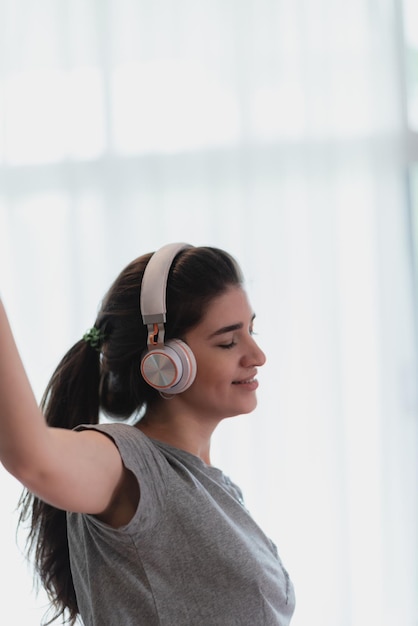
x=87 y=382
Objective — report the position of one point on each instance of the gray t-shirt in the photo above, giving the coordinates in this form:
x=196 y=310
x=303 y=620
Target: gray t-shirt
x=191 y=556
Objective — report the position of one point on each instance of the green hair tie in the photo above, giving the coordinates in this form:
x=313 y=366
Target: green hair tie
x=94 y=337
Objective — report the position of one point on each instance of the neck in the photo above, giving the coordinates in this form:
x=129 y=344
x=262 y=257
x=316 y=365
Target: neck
x=165 y=422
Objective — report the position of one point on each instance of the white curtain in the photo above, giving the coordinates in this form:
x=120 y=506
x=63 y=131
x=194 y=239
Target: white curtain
x=272 y=128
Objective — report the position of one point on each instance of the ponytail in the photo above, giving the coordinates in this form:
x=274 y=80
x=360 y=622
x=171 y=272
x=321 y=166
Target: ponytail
x=71 y=398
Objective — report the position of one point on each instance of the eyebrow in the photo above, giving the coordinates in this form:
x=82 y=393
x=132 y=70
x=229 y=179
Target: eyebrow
x=229 y=329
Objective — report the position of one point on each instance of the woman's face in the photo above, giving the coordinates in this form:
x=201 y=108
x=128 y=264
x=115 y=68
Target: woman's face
x=227 y=358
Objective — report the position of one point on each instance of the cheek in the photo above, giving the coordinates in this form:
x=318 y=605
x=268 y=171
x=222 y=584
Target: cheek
x=215 y=369
x=205 y=378
x=210 y=377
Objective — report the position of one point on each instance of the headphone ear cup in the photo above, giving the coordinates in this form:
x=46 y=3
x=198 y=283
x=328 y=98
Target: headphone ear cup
x=171 y=368
x=189 y=366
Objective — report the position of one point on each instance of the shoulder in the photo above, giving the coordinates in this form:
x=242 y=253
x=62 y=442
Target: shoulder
x=139 y=453
x=119 y=433
x=146 y=477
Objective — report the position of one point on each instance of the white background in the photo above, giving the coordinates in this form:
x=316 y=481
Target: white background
x=274 y=129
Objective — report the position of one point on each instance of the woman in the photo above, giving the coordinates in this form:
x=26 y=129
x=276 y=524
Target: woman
x=130 y=524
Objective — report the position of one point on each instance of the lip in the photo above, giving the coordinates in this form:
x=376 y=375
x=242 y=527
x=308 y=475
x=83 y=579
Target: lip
x=250 y=383
x=250 y=376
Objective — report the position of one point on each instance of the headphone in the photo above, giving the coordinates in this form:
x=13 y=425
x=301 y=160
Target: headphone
x=168 y=367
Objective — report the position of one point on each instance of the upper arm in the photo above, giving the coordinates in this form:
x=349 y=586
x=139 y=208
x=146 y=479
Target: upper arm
x=76 y=471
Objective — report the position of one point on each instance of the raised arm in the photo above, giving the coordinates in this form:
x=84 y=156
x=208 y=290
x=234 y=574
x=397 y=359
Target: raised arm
x=76 y=471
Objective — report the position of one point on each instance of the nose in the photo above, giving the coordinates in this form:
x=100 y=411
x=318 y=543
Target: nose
x=254 y=356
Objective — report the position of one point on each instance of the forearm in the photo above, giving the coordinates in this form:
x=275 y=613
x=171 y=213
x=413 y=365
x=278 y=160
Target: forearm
x=22 y=426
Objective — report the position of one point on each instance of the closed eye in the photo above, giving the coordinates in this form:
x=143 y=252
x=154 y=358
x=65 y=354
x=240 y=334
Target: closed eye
x=231 y=344
x=228 y=346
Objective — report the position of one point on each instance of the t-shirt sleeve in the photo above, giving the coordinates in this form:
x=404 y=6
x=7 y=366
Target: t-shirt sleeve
x=149 y=467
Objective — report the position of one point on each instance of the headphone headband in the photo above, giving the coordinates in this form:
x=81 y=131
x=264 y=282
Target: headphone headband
x=154 y=283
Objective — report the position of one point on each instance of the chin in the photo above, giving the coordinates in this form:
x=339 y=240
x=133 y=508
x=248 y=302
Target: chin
x=243 y=410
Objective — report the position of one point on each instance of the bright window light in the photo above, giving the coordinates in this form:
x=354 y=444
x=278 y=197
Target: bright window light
x=51 y=115
x=410 y=26
x=169 y=105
